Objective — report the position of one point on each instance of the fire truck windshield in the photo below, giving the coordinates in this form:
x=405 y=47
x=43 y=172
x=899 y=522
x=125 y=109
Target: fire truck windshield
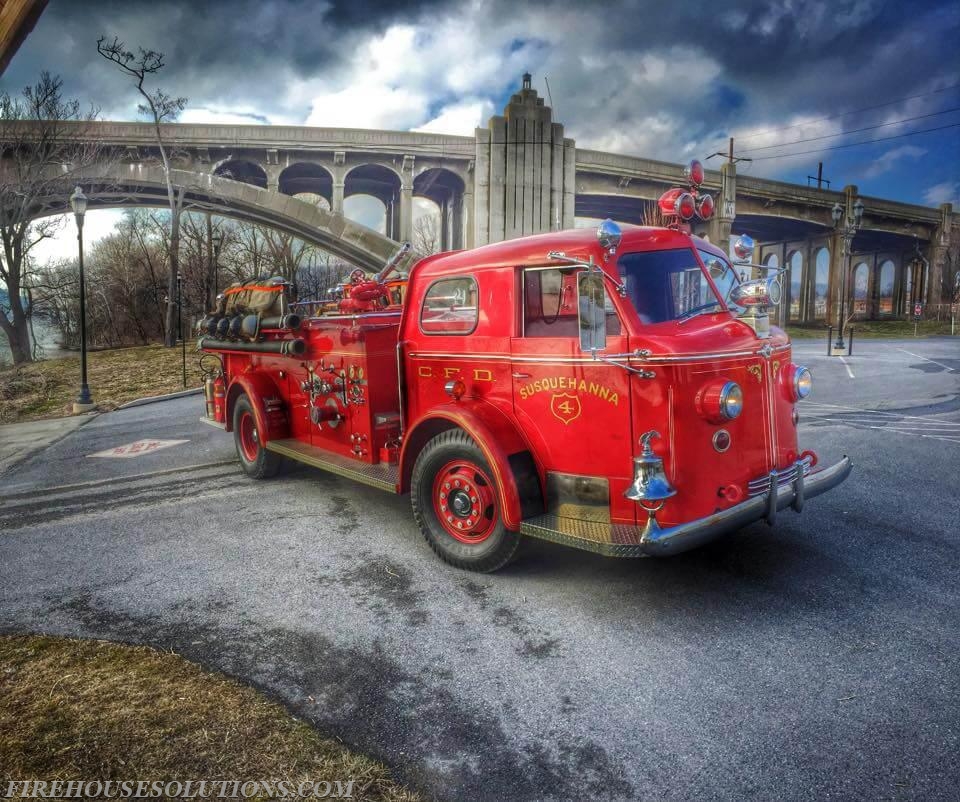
x=666 y=285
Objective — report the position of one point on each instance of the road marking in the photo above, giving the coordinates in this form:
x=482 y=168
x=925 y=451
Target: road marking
x=849 y=372
x=934 y=361
x=138 y=448
x=868 y=412
x=894 y=422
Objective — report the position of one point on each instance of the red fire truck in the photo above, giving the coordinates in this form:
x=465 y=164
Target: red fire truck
x=619 y=391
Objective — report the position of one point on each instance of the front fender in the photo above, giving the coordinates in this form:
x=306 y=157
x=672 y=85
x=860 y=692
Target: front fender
x=268 y=405
x=503 y=447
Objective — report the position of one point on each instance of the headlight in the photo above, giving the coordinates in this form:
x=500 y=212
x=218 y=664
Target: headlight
x=731 y=400
x=796 y=382
x=802 y=382
x=720 y=400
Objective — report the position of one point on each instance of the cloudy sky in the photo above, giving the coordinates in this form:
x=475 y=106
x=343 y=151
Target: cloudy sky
x=795 y=82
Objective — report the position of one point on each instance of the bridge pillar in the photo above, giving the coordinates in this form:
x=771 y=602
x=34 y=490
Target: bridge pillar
x=525 y=172
x=273 y=178
x=336 y=196
x=726 y=208
x=939 y=248
x=405 y=226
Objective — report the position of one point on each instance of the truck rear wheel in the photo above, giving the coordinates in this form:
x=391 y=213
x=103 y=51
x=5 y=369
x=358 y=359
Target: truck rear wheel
x=456 y=504
x=255 y=460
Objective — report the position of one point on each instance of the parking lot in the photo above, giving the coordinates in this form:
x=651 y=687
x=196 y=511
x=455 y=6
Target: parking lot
x=817 y=658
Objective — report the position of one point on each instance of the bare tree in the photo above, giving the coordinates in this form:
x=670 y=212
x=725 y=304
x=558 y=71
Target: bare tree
x=41 y=158
x=161 y=108
x=426 y=234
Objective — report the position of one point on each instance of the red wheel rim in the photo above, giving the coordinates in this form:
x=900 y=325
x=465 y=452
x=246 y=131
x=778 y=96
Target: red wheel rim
x=464 y=502
x=249 y=439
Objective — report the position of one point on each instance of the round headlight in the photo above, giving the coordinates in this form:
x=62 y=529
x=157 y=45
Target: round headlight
x=802 y=382
x=731 y=400
x=773 y=291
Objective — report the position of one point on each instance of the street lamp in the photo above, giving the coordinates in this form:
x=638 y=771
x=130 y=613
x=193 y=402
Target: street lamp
x=84 y=403
x=847 y=225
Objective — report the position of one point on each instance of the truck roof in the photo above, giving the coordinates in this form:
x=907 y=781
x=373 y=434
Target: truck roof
x=577 y=242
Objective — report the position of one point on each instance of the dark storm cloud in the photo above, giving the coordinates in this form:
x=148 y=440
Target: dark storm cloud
x=653 y=78
x=217 y=50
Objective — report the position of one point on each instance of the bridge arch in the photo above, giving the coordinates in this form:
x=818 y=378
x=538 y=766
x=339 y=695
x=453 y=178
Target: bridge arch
x=243 y=170
x=820 y=283
x=380 y=182
x=141 y=185
x=446 y=190
x=306 y=177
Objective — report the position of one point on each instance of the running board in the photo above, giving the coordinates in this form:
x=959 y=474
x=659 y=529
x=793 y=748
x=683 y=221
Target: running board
x=380 y=476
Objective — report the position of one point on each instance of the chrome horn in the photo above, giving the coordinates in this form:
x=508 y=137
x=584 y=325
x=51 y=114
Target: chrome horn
x=651 y=487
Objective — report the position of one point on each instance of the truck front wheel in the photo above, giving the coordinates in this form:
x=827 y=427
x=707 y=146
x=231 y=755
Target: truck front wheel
x=456 y=504
x=255 y=460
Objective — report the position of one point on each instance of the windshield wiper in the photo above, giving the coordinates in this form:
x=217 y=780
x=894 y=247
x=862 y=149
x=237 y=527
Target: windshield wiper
x=697 y=310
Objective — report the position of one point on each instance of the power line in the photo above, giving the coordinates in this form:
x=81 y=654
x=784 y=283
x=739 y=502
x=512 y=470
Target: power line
x=857 y=144
x=847 y=113
x=853 y=131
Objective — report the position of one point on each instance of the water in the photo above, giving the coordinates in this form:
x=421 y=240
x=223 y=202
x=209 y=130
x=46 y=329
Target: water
x=46 y=335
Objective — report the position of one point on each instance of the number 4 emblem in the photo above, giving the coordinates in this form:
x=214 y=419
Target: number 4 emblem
x=565 y=407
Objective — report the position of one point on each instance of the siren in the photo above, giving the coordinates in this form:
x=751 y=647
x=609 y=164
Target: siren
x=685 y=203
x=705 y=207
x=694 y=172
x=677 y=203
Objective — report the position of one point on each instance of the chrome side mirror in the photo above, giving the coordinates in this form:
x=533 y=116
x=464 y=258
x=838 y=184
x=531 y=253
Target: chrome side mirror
x=591 y=301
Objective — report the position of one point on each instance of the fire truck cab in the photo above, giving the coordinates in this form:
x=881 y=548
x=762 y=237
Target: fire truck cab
x=619 y=391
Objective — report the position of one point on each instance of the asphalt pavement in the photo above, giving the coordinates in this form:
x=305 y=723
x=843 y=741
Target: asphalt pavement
x=816 y=659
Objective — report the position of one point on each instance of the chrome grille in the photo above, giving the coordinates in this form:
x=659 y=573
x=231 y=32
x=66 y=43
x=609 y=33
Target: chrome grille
x=761 y=485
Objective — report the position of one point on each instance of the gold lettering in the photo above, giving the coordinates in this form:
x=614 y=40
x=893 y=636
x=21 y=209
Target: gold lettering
x=615 y=400
x=424 y=371
x=482 y=375
x=449 y=372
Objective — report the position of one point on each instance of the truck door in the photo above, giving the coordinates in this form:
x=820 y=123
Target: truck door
x=575 y=410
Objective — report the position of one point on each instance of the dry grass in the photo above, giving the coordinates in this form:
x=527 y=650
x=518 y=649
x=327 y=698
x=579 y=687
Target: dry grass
x=90 y=710
x=875 y=328
x=48 y=389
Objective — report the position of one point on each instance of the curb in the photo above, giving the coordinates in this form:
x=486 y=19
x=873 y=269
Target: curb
x=154 y=399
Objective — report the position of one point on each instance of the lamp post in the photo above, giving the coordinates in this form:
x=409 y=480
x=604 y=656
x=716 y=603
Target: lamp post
x=183 y=340
x=84 y=403
x=217 y=245
x=847 y=225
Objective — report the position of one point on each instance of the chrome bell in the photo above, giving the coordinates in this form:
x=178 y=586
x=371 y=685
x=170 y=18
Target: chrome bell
x=650 y=483
x=651 y=487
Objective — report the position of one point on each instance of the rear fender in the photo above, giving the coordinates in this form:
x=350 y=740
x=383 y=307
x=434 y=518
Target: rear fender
x=268 y=405
x=507 y=453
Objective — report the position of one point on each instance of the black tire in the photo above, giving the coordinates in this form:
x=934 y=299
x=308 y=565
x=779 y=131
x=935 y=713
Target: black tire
x=452 y=481
x=256 y=461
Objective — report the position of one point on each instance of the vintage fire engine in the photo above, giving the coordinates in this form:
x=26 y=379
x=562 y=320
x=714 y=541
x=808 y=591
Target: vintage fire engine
x=619 y=391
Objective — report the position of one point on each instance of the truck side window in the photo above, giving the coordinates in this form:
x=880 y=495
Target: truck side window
x=450 y=306
x=550 y=304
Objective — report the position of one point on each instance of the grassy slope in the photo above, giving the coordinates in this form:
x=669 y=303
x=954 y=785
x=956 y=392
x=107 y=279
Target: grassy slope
x=90 y=710
x=48 y=389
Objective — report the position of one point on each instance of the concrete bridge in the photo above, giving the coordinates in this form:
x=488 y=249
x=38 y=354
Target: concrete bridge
x=522 y=175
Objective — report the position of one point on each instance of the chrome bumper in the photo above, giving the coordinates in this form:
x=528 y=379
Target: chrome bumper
x=778 y=496
x=777 y=491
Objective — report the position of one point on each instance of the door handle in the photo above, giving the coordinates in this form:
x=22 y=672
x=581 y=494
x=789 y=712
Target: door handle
x=518 y=375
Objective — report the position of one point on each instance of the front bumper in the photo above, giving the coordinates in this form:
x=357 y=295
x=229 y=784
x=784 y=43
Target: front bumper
x=617 y=540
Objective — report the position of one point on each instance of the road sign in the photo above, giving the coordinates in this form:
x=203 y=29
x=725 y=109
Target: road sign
x=917 y=311
x=138 y=448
